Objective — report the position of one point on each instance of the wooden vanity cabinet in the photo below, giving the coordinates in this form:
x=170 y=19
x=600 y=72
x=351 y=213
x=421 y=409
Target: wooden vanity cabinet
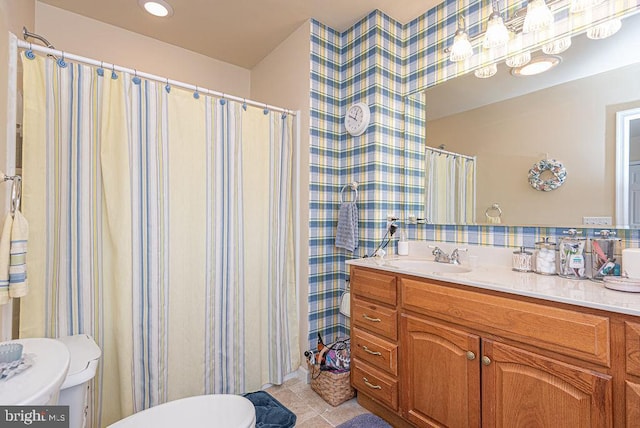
x=432 y=354
x=374 y=337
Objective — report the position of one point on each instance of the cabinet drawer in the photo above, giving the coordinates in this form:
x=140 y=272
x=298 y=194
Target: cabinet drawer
x=377 y=385
x=571 y=333
x=375 y=318
x=374 y=286
x=632 y=347
x=375 y=351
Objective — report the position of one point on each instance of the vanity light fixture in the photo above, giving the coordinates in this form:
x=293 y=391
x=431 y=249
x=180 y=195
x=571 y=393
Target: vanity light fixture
x=539 y=17
x=604 y=30
x=461 y=48
x=579 y=6
x=497 y=33
x=518 y=57
x=537 y=65
x=557 y=46
x=156 y=7
x=486 y=72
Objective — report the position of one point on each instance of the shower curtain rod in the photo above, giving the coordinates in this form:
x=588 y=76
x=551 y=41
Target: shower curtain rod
x=38 y=48
x=445 y=152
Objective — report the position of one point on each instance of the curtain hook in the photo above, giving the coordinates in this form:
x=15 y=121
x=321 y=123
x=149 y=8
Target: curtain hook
x=223 y=101
x=100 y=70
x=114 y=75
x=167 y=87
x=136 y=79
x=61 y=62
x=244 y=104
x=29 y=54
x=266 y=110
x=196 y=95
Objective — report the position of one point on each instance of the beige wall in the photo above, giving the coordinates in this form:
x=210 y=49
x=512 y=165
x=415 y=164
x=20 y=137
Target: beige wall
x=104 y=42
x=14 y=14
x=568 y=123
x=283 y=79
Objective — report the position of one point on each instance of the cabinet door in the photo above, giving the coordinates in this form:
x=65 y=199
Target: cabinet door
x=440 y=382
x=523 y=389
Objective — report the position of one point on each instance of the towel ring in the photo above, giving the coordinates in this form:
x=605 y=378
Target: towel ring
x=494 y=207
x=354 y=187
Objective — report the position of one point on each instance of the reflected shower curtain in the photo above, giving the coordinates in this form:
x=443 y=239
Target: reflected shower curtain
x=449 y=188
x=161 y=225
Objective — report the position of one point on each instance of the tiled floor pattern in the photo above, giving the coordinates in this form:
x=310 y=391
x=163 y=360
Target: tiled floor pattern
x=310 y=409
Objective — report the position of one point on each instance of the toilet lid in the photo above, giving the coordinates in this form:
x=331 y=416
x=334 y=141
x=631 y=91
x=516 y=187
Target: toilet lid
x=229 y=411
x=37 y=384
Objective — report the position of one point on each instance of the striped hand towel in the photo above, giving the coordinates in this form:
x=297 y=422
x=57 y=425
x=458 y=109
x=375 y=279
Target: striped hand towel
x=18 y=262
x=347 y=233
x=5 y=244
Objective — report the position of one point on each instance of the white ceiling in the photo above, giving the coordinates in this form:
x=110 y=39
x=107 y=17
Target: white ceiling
x=240 y=32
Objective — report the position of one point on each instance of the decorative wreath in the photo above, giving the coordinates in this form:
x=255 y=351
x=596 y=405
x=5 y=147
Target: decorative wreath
x=555 y=167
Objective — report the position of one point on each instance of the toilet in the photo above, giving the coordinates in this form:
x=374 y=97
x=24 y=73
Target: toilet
x=200 y=411
x=84 y=357
x=61 y=372
x=229 y=411
x=40 y=383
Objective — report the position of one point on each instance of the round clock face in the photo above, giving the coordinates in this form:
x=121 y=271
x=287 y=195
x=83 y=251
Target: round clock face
x=357 y=119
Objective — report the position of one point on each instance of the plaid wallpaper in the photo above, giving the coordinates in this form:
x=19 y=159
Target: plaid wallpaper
x=379 y=61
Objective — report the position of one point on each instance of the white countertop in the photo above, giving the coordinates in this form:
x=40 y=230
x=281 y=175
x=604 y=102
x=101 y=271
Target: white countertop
x=498 y=277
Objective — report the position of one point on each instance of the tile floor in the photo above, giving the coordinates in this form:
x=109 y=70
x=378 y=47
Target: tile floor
x=310 y=409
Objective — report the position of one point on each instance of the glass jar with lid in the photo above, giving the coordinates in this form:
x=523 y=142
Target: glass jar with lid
x=522 y=260
x=545 y=257
x=571 y=255
x=605 y=250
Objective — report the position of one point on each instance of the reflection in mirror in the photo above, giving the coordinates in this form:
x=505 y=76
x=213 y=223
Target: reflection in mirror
x=568 y=113
x=628 y=168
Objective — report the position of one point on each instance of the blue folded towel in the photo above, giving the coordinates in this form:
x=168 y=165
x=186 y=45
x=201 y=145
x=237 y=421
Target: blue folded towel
x=347 y=233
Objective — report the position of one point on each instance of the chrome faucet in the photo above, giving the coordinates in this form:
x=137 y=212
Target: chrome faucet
x=442 y=257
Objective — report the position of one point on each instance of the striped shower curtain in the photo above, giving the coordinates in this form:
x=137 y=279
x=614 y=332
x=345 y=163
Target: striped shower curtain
x=161 y=225
x=450 y=191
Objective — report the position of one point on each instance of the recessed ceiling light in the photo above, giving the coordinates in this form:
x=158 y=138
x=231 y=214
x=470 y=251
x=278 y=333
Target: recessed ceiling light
x=157 y=7
x=537 y=65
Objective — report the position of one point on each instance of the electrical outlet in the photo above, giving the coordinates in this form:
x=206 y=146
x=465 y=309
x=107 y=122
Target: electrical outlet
x=596 y=221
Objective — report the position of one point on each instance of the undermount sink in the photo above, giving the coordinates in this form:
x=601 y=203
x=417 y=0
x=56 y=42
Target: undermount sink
x=427 y=266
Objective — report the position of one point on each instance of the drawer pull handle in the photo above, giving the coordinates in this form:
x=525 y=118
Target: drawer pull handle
x=368 y=318
x=486 y=360
x=368 y=351
x=370 y=385
x=471 y=356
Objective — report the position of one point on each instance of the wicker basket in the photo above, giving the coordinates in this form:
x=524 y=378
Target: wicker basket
x=334 y=387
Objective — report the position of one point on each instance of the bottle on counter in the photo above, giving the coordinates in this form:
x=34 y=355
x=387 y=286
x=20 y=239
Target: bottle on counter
x=571 y=255
x=522 y=260
x=403 y=244
x=545 y=257
x=605 y=251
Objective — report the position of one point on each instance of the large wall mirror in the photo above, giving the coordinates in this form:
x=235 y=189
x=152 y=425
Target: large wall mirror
x=567 y=113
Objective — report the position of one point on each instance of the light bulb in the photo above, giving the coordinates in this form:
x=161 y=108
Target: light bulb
x=486 y=72
x=604 y=30
x=557 y=46
x=461 y=48
x=538 y=16
x=497 y=34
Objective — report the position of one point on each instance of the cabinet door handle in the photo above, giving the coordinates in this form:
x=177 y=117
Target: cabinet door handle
x=471 y=356
x=486 y=360
x=368 y=351
x=368 y=318
x=370 y=385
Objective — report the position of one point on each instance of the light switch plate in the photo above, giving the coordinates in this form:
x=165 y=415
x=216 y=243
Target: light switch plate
x=596 y=221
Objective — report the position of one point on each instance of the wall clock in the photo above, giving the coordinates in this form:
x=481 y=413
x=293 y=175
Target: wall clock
x=357 y=118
